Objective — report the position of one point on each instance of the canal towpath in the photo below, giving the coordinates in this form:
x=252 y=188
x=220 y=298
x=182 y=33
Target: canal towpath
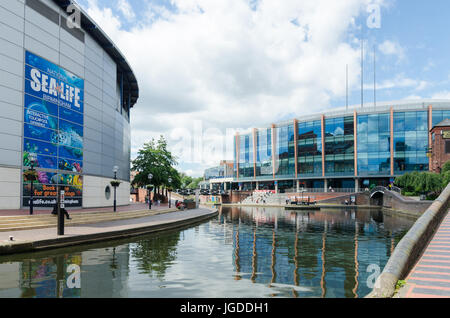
x=44 y=238
x=430 y=277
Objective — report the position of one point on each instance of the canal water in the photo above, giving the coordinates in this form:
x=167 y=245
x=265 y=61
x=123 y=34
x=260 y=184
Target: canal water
x=243 y=252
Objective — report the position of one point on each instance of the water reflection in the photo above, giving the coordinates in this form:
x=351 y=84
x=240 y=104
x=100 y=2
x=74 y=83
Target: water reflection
x=327 y=251
x=245 y=252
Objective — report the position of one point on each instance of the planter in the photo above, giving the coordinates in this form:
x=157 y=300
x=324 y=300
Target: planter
x=30 y=175
x=115 y=183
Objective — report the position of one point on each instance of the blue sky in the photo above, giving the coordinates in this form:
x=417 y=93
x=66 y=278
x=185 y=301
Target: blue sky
x=236 y=64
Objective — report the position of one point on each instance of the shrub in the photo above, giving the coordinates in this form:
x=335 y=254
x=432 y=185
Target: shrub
x=445 y=168
x=445 y=179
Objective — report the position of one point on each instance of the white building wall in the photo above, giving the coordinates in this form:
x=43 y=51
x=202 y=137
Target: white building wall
x=10 y=188
x=94 y=192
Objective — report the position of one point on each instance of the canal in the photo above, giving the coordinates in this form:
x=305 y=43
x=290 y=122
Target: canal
x=243 y=252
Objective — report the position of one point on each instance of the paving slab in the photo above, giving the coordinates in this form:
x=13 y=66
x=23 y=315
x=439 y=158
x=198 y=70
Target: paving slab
x=430 y=277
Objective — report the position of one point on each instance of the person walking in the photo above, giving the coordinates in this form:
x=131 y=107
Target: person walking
x=55 y=211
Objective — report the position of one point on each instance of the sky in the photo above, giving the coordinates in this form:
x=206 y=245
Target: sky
x=209 y=68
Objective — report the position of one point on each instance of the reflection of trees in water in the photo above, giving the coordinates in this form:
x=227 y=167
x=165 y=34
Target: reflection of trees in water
x=154 y=255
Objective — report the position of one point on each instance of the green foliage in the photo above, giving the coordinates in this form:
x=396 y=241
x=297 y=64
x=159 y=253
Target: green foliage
x=154 y=158
x=445 y=167
x=416 y=183
x=188 y=182
x=400 y=284
x=445 y=179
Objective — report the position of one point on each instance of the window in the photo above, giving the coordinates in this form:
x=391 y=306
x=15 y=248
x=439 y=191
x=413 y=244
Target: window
x=447 y=146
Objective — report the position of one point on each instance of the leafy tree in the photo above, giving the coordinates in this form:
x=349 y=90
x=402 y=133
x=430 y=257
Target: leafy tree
x=154 y=158
x=445 y=179
x=428 y=182
x=194 y=183
x=445 y=168
x=188 y=182
x=185 y=180
x=416 y=183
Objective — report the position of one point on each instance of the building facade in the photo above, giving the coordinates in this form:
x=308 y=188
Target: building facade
x=66 y=93
x=440 y=145
x=348 y=148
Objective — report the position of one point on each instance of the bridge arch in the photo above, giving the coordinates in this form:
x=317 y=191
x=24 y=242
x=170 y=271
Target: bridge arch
x=377 y=197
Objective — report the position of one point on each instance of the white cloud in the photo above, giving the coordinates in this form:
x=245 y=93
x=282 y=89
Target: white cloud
x=392 y=48
x=125 y=8
x=441 y=95
x=398 y=82
x=233 y=65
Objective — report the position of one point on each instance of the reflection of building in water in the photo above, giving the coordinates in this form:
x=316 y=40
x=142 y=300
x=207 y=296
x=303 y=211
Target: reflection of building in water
x=9 y=273
x=105 y=272
x=47 y=277
x=327 y=252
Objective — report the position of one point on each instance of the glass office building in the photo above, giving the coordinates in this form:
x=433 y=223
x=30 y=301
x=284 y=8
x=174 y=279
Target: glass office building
x=347 y=148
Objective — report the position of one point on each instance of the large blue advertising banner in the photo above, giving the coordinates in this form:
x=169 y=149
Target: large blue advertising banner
x=53 y=129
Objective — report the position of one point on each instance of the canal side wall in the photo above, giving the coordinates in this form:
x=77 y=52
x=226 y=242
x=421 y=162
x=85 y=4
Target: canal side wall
x=396 y=203
x=105 y=231
x=411 y=247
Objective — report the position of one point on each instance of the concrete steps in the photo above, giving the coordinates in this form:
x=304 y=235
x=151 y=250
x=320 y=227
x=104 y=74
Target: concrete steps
x=16 y=223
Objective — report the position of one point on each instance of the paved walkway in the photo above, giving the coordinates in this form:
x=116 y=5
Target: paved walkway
x=40 y=238
x=430 y=278
x=130 y=207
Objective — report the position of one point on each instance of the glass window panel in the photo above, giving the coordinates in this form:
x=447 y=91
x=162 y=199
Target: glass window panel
x=410 y=121
x=399 y=122
x=422 y=121
x=384 y=123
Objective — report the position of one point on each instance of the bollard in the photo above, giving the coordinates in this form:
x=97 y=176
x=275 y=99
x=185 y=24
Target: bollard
x=60 y=203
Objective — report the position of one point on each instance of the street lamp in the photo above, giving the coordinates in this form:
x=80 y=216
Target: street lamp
x=115 y=169
x=33 y=161
x=150 y=176
x=170 y=189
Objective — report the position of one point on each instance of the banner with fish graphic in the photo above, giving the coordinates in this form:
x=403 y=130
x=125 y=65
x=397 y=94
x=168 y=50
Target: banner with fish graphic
x=53 y=130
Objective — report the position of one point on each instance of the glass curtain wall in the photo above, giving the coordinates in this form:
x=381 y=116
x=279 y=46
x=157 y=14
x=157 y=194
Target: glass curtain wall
x=410 y=141
x=374 y=137
x=246 y=156
x=339 y=146
x=264 y=153
x=310 y=148
x=440 y=115
x=284 y=154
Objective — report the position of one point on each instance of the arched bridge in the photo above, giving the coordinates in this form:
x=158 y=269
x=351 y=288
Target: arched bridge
x=377 y=194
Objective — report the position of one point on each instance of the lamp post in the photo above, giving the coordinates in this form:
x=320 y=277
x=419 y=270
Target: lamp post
x=150 y=176
x=170 y=190
x=115 y=169
x=33 y=160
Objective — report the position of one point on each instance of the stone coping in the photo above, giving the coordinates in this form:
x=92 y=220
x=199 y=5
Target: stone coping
x=411 y=247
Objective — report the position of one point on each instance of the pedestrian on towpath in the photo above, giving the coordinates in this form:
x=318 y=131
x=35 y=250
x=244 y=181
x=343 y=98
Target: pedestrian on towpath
x=55 y=211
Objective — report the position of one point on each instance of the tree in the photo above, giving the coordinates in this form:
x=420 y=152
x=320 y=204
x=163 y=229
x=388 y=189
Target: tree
x=416 y=183
x=154 y=158
x=445 y=179
x=194 y=183
x=428 y=182
x=445 y=167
